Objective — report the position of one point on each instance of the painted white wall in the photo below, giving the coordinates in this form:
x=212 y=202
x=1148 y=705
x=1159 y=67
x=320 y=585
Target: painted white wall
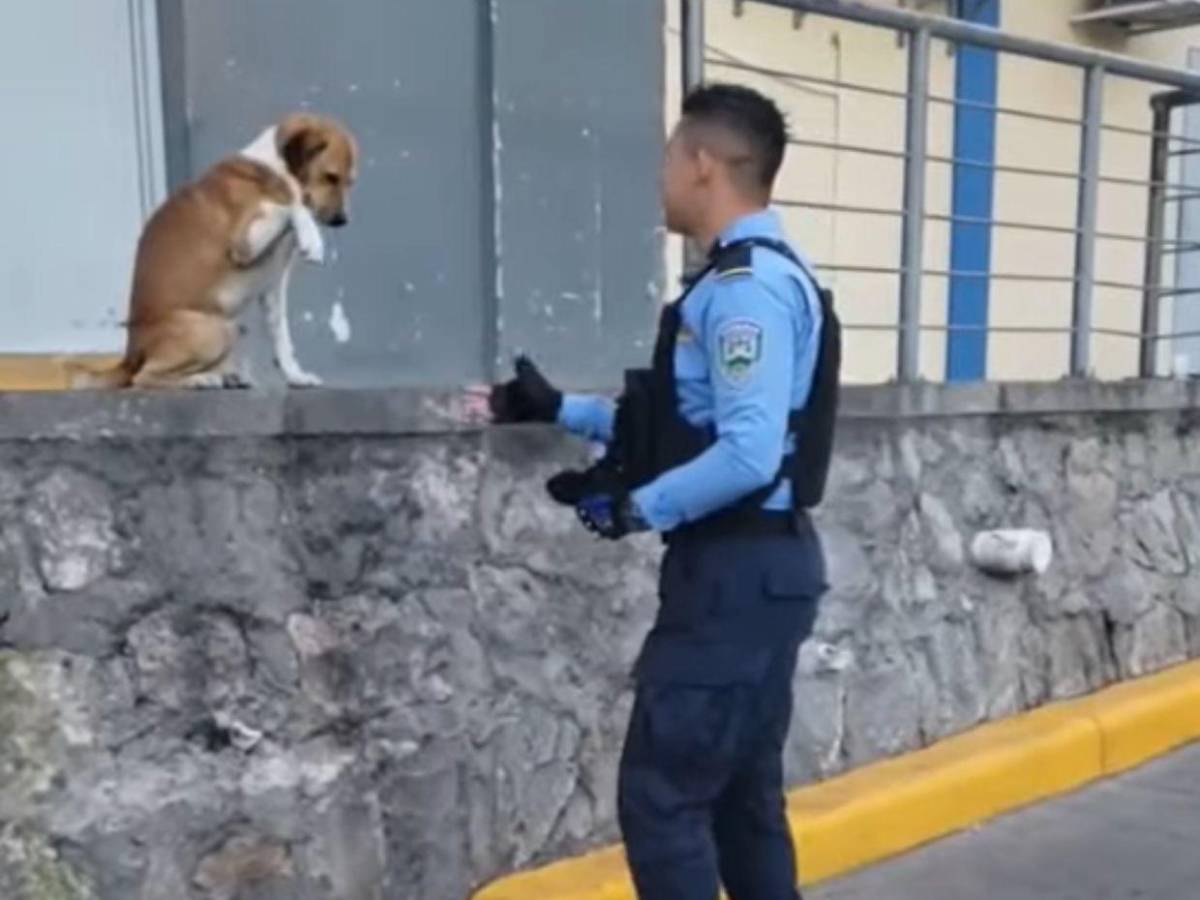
x=82 y=165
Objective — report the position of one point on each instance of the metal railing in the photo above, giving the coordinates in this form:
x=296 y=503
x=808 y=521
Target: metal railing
x=1183 y=88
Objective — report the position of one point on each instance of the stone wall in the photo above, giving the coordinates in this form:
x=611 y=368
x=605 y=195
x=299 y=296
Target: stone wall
x=339 y=645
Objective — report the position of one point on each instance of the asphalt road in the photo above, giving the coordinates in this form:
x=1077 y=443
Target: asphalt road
x=1137 y=836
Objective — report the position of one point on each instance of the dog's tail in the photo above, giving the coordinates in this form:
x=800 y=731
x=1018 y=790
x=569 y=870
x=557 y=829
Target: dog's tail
x=81 y=377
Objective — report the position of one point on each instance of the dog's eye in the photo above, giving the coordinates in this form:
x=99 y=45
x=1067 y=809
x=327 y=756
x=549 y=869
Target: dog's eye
x=333 y=178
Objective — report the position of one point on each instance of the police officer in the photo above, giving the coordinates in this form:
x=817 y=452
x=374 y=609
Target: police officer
x=721 y=446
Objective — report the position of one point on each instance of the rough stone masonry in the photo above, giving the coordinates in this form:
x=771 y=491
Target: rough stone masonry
x=341 y=646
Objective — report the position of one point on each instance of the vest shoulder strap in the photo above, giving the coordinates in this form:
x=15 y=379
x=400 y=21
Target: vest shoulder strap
x=747 y=245
x=735 y=260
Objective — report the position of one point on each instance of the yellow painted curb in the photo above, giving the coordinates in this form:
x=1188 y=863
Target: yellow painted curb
x=33 y=372
x=895 y=805
x=1148 y=717
x=598 y=876
x=892 y=806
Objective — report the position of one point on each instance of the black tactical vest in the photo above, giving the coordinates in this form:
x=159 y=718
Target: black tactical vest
x=651 y=436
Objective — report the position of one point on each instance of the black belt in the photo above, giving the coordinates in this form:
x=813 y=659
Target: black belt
x=744 y=523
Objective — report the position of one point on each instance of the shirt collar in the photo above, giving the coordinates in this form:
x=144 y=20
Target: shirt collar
x=764 y=223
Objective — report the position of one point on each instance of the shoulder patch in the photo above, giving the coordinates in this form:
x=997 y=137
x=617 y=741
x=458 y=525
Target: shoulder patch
x=735 y=261
x=739 y=350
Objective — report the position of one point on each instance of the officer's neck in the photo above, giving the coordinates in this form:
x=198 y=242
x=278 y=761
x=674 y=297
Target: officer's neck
x=722 y=217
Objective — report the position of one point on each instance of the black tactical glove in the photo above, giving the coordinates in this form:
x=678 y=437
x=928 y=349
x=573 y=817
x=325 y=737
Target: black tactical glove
x=528 y=397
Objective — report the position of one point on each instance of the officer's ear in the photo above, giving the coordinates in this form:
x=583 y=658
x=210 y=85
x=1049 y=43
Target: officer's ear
x=706 y=163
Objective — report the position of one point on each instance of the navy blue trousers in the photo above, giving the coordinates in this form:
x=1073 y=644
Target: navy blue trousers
x=701 y=795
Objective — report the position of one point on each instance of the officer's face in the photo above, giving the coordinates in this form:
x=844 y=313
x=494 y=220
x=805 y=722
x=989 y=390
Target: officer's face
x=682 y=183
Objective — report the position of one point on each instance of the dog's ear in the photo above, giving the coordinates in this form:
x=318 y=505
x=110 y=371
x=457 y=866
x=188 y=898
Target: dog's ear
x=300 y=139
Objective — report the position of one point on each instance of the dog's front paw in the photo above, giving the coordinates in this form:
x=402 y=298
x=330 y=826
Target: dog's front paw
x=309 y=240
x=239 y=254
x=301 y=379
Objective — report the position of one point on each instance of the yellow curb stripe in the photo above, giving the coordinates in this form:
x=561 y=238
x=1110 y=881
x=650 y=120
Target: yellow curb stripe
x=597 y=876
x=34 y=372
x=889 y=807
x=1147 y=717
x=893 y=806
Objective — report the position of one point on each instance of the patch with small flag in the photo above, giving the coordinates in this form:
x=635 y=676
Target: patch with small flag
x=739 y=349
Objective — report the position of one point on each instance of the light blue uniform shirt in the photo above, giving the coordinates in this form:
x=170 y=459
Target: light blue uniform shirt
x=745 y=358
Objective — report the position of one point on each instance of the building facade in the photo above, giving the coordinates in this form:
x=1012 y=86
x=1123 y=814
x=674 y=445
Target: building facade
x=1028 y=317
x=509 y=192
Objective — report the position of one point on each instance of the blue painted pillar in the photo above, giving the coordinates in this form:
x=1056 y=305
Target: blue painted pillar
x=971 y=243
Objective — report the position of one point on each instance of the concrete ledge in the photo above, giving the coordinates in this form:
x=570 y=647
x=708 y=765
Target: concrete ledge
x=928 y=400
x=894 y=806
x=87 y=415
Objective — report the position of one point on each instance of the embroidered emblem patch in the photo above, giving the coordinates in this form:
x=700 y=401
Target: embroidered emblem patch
x=739 y=348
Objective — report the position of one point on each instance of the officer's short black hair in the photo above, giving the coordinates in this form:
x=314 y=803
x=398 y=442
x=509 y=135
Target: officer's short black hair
x=749 y=116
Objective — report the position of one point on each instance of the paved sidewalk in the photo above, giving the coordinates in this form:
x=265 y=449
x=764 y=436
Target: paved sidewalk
x=1134 y=838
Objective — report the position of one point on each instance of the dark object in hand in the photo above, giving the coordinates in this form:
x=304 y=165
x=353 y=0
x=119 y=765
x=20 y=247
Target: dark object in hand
x=604 y=515
x=600 y=500
x=569 y=487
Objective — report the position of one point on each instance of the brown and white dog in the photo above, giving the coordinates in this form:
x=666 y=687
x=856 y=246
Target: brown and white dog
x=223 y=240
